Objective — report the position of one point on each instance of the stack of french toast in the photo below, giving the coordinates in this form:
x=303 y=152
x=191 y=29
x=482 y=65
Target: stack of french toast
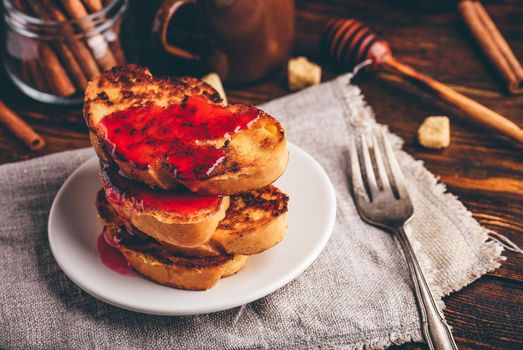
x=187 y=190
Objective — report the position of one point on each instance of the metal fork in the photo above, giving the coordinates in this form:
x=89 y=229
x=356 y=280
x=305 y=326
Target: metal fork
x=382 y=200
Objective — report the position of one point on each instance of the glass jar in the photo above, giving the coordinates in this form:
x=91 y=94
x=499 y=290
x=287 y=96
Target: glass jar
x=53 y=51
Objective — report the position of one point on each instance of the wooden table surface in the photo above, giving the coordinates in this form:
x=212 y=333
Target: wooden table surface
x=484 y=171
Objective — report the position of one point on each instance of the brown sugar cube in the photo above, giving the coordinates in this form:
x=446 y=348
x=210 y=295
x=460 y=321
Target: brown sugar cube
x=434 y=132
x=302 y=73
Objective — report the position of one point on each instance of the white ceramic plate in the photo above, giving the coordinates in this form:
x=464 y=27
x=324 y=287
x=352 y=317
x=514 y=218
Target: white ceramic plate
x=74 y=228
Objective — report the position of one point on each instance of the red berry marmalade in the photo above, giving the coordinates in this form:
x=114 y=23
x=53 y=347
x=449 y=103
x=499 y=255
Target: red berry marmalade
x=118 y=188
x=111 y=257
x=177 y=136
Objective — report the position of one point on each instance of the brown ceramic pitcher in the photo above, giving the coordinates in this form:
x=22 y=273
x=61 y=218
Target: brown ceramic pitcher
x=241 y=40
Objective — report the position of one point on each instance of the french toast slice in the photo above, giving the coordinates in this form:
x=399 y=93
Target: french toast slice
x=176 y=217
x=165 y=132
x=254 y=222
x=160 y=265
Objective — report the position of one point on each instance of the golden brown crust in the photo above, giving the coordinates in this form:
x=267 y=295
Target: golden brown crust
x=186 y=230
x=157 y=263
x=254 y=222
x=184 y=278
x=269 y=200
x=254 y=157
x=133 y=86
x=160 y=266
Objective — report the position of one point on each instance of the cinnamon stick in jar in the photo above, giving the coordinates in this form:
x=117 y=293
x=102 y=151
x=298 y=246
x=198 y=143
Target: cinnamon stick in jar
x=37 y=76
x=492 y=43
x=114 y=41
x=66 y=56
x=20 y=128
x=55 y=75
x=115 y=44
x=93 y=5
x=97 y=43
x=82 y=54
x=49 y=72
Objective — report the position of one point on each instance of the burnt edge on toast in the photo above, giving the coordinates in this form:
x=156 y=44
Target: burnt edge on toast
x=255 y=200
x=275 y=205
x=127 y=76
x=120 y=76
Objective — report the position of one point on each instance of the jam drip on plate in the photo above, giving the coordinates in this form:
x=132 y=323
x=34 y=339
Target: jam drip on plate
x=118 y=189
x=111 y=257
x=179 y=136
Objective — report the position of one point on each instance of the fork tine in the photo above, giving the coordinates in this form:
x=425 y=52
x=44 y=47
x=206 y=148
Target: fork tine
x=382 y=171
x=367 y=164
x=357 y=181
x=395 y=170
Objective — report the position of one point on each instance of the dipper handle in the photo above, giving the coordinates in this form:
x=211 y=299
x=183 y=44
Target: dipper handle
x=350 y=42
x=473 y=109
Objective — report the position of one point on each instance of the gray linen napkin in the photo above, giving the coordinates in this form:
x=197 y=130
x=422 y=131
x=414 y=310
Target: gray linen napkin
x=356 y=295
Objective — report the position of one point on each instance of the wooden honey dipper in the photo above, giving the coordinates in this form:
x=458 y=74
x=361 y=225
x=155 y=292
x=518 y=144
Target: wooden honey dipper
x=349 y=42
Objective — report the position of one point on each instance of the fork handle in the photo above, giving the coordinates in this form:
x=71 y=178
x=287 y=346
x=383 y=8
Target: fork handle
x=436 y=332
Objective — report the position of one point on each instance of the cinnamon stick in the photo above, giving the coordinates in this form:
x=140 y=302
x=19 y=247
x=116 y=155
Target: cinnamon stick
x=71 y=65
x=25 y=73
x=33 y=66
x=93 y=5
x=37 y=75
x=82 y=54
x=56 y=77
x=20 y=128
x=492 y=43
x=97 y=43
x=116 y=47
x=30 y=70
x=67 y=57
x=54 y=73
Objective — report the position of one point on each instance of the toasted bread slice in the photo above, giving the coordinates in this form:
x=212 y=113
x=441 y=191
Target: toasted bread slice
x=158 y=264
x=176 y=217
x=164 y=132
x=254 y=222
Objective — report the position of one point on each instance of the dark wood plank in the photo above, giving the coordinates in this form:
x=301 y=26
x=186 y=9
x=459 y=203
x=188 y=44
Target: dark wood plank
x=469 y=312
x=484 y=171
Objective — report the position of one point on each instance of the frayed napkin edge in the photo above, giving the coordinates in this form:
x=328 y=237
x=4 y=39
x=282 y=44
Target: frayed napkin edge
x=354 y=103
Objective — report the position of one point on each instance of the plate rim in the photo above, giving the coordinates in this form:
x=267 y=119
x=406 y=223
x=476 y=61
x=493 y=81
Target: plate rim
x=294 y=273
